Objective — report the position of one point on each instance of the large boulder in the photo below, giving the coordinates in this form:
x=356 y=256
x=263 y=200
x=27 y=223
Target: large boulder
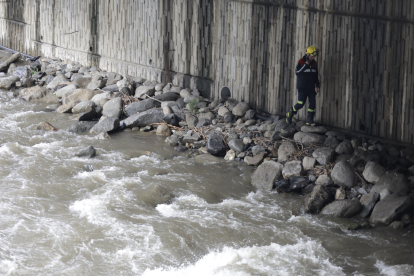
x=98 y=99
x=141 y=106
x=286 y=150
x=81 y=107
x=81 y=127
x=390 y=209
x=7 y=82
x=368 y=202
x=396 y=183
x=5 y=65
x=309 y=138
x=145 y=118
x=97 y=82
x=317 y=199
x=343 y=174
x=373 y=172
x=113 y=108
x=79 y=95
x=345 y=208
x=215 y=144
x=106 y=125
x=90 y=113
x=323 y=155
x=143 y=91
x=66 y=91
x=59 y=79
x=22 y=72
x=240 y=109
x=292 y=168
x=266 y=174
x=38 y=94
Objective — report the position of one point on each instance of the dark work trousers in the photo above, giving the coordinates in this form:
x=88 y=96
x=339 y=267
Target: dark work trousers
x=303 y=94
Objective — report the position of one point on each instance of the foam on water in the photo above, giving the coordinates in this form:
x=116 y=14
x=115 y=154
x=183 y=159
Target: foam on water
x=395 y=270
x=302 y=258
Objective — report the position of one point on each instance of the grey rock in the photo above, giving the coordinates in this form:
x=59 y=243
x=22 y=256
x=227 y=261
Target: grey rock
x=250 y=122
x=190 y=137
x=258 y=149
x=314 y=129
x=163 y=130
x=293 y=184
x=323 y=155
x=111 y=88
x=324 y=180
x=373 y=172
x=368 y=202
x=81 y=107
x=396 y=183
x=65 y=91
x=191 y=120
x=343 y=174
x=390 y=209
x=250 y=114
x=340 y=193
x=308 y=163
x=90 y=113
x=255 y=160
x=5 y=65
x=231 y=103
x=137 y=107
x=172 y=140
x=143 y=91
x=317 y=199
x=81 y=81
x=81 y=127
x=215 y=144
x=106 y=125
x=236 y=145
x=286 y=150
x=331 y=142
x=167 y=97
x=145 y=118
x=38 y=94
x=344 y=147
x=240 y=109
x=393 y=151
x=309 y=138
x=208 y=115
x=291 y=169
x=355 y=143
x=266 y=174
x=345 y=208
x=22 y=72
x=88 y=152
x=7 y=82
x=281 y=133
x=384 y=193
x=56 y=81
x=113 y=108
x=79 y=95
x=206 y=159
x=113 y=78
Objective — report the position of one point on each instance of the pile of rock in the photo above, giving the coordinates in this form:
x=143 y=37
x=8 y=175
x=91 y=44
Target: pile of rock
x=341 y=176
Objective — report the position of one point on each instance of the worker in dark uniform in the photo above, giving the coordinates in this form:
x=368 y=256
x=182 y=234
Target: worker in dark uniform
x=307 y=84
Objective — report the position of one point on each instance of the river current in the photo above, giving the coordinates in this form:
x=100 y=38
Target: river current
x=65 y=215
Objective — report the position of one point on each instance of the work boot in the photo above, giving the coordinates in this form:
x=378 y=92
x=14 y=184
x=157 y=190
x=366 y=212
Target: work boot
x=289 y=116
x=309 y=119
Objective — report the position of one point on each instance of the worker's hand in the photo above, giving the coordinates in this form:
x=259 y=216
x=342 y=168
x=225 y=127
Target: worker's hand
x=318 y=90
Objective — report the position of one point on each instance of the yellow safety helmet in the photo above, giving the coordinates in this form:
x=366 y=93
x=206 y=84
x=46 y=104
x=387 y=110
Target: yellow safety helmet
x=312 y=51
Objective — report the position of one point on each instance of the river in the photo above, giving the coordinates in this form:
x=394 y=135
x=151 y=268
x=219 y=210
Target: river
x=65 y=215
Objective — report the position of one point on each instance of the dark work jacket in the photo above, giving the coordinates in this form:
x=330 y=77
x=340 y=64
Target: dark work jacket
x=307 y=74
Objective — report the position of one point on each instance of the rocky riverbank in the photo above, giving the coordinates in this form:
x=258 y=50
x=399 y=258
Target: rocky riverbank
x=340 y=176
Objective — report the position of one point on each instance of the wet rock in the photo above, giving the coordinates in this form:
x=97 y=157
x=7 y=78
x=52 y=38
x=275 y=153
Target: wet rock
x=317 y=199
x=373 y=172
x=89 y=114
x=215 y=144
x=5 y=65
x=343 y=174
x=163 y=130
x=309 y=138
x=207 y=159
x=323 y=155
x=314 y=129
x=324 y=180
x=113 y=108
x=285 y=150
x=255 y=160
x=396 y=183
x=292 y=168
x=88 y=152
x=347 y=224
x=81 y=127
x=240 y=109
x=236 y=145
x=145 y=118
x=294 y=184
x=155 y=195
x=230 y=155
x=368 y=202
x=344 y=147
x=397 y=225
x=46 y=127
x=390 y=209
x=106 y=125
x=38 y=94
x=266 y=174
x=59 y=79
x=345 y=208
x=308 y=163
x=7 y=82
x=137 y=107
x=172 y=140
x=81 y=107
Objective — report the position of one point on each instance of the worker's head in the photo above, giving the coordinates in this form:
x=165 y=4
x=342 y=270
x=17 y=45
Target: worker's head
x=312 y=51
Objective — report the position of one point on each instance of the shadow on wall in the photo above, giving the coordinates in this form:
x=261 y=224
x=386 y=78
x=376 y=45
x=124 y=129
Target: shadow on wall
x=94 y=58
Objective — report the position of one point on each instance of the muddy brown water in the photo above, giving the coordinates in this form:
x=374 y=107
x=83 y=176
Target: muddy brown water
x=59 y=218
